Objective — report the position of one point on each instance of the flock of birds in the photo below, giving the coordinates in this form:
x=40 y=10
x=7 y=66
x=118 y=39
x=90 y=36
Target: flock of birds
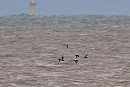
x=76 y=60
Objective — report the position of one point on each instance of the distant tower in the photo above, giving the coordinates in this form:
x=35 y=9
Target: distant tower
x=32 y=7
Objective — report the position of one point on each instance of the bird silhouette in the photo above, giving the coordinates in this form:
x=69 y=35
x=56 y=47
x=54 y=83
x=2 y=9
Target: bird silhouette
x=61 y=59
x=76 y=56
x=76 y=61
x=67 y=45
x=86 y=56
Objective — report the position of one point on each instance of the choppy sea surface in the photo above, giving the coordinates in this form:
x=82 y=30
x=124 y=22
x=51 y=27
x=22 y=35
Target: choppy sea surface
x=30 y=49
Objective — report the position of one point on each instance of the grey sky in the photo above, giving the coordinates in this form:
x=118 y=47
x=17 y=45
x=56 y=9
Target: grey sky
x=66 y=7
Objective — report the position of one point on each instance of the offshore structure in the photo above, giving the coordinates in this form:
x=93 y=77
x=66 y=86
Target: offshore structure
x=32 y=7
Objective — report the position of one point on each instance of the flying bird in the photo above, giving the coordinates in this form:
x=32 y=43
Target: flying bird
x=86 y=56
x=76 y=56
x=67 y=45
x=61 y=59
x=76 y=61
